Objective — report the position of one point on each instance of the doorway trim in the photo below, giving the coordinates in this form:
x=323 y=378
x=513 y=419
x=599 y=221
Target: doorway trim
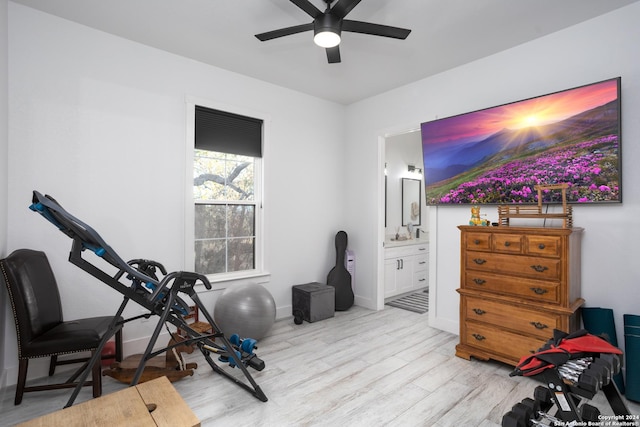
x=379 y=291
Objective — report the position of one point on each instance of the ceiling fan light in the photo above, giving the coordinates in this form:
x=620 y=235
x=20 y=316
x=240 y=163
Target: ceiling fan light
x=327 y=38
x=326 y=30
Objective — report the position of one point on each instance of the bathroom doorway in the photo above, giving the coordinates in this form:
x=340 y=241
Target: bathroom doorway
x=404 y=213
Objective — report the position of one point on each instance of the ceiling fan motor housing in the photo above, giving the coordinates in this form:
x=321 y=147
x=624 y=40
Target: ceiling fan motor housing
x=327 y=22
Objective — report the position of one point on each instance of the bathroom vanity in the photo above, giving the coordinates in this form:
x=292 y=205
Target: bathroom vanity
x=406 y=266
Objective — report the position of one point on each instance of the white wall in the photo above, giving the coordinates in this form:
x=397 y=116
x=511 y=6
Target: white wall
x=602 y=48
x=98 y=122
x=4 y=81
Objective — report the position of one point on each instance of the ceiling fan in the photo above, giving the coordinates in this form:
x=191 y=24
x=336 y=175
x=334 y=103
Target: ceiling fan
x=328 y=25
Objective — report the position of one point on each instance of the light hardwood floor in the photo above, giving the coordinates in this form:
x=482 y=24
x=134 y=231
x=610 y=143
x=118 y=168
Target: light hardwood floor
x=360 y=368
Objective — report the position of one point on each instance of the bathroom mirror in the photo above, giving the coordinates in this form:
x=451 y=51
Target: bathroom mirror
x=411 y=201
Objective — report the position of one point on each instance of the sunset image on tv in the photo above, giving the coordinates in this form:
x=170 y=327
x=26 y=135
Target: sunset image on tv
x=498 y=155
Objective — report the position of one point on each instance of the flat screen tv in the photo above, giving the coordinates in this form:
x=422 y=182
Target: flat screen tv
x=499 y=154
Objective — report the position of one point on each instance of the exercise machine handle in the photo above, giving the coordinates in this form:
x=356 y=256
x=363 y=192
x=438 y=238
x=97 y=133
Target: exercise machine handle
x=191 y=278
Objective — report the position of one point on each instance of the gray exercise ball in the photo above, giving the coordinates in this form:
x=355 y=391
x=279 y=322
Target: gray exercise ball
x=246 y=310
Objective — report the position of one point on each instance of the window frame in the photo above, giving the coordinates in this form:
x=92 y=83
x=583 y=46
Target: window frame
x=222 y=280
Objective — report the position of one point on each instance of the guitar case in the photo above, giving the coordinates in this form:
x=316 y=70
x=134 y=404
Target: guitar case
x=339 y=277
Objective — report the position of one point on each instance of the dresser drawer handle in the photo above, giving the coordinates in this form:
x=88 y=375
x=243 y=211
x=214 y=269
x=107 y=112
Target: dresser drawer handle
x=539 y=291
x=479 y=311
x=541 y=246
x=507 y=244
x=476 y=241
x=539 y=325
x=479 y=281
x=479 y=261
x=540 y=268
x=478 y=337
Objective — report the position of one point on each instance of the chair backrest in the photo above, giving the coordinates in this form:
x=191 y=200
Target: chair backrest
x=33 y=293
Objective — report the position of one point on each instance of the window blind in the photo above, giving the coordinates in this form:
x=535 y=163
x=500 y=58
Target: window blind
x=226 y=132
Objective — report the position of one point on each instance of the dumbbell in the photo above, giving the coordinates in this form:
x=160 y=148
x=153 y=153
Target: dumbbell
x=248 y=357
x=589 y=413
x=532 y=404
x=513 y=419
x=590 y=378
x=524 y=411
x=245 y=344
x=610 y=361
x=586 y=362
x=614 y=361
x=598 y=371
x=577 y=366
x=582 y=362
x=606 y=369
x=550 y=418
x=542 y=395
x=234 y=339
x=584 y=381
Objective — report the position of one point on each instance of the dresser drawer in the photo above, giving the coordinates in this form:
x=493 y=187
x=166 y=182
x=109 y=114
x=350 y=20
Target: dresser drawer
x=530 y=322
x=497 y=341
x=534 y=290
x=507 y=243
x=547 y=246
x=533 y=267
x=477 y=241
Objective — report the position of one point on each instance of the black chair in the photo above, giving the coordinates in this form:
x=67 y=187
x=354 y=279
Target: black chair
x=40 y=328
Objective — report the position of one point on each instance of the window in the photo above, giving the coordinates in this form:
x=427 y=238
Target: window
x=227 y=160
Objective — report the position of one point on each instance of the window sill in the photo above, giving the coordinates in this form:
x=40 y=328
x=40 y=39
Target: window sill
x=223 y=281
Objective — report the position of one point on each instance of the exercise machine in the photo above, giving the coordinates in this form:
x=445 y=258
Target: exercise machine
x=138 y=280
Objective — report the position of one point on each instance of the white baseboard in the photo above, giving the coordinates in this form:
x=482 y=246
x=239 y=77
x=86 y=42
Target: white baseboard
x=284 y=312
x=365 y=302
x=444 y=325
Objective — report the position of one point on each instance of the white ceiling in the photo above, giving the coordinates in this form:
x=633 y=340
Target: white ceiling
x=445 y=34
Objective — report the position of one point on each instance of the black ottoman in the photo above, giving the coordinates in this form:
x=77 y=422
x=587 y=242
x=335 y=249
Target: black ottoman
x=312 y=302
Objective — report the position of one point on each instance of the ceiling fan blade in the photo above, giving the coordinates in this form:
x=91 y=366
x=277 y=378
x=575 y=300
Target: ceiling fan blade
x=333 y=54
x=374 y=29
x=269 y=35
x=309 y=8
x=343 y=7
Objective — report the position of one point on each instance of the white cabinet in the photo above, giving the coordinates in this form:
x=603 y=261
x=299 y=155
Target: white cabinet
x=406 y=268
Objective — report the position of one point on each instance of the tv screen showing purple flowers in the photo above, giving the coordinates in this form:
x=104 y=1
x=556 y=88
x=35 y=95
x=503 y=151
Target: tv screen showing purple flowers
x=499 y=154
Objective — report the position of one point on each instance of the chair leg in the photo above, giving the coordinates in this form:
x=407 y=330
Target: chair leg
x=52 y=365
x=119 y=345
x=22 y=380
x=96 y=378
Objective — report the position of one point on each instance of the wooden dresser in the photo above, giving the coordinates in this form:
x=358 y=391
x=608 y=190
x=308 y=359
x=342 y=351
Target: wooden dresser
x=517 y=284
